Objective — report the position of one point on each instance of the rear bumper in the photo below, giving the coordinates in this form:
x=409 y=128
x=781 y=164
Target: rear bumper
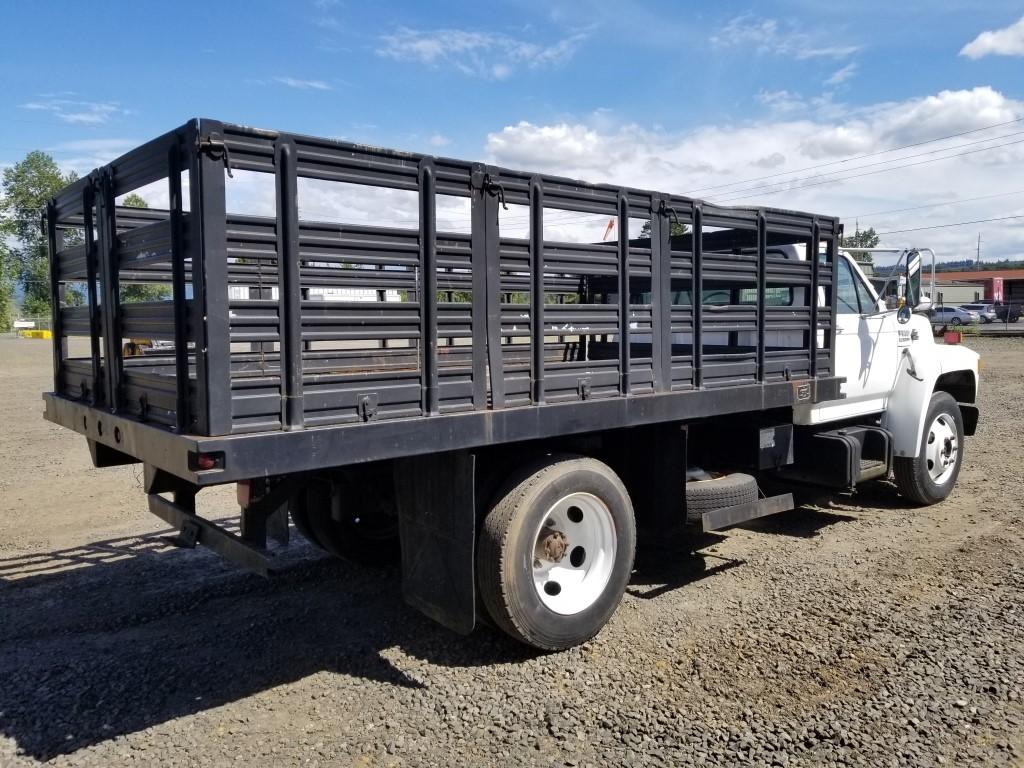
x=260 y=454
x=154 y=445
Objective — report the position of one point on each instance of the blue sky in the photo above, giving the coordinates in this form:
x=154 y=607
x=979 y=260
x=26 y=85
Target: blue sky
x=680 y=96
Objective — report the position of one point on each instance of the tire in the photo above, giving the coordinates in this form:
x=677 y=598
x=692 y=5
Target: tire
x=521 y=588
x=365 y=530
x=916 y=477
x=300 y=516
x=955 y=322
x=725 y=491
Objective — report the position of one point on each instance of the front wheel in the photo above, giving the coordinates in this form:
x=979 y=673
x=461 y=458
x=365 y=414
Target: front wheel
x=955 y=322
x=929 y=477
x=556 y=552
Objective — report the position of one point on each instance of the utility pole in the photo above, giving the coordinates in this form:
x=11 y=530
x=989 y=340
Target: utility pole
x=977 y=258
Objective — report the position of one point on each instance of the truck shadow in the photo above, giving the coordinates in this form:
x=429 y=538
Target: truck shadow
x=674 y=564
x=803 y=522
x=663 y=566
x=120 y=635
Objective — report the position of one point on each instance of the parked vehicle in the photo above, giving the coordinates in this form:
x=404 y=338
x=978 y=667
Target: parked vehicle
x=1008 y=312
x=509 y=410
x=946 y=317
x=986 y=312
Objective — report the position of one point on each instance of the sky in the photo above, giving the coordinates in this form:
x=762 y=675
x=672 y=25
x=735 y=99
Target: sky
x=793 y=104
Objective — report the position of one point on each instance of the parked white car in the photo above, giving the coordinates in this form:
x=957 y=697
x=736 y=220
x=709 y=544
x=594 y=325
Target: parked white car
x=942 y=317
x=987 y=312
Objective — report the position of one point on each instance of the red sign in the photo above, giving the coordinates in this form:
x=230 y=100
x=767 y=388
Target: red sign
x=995 y=289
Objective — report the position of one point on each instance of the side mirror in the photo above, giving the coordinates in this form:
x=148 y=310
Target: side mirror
x=903 y=314
x=912 y=287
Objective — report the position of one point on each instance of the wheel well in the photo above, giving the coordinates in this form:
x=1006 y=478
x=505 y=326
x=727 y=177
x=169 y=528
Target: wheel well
x=959 y=384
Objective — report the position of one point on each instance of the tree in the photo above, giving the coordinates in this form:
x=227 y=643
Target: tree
x=866 y=239
x=134 y=200
x=27 y=186
x=134 y=292
x=6 y=288
x=675 y=229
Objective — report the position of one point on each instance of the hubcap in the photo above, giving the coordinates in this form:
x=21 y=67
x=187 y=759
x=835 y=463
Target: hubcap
x=941 y=451
x=574 y=553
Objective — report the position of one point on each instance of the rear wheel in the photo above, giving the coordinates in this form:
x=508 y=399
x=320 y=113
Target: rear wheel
x=351 y=515
x=556 y=552
x=300 y=516
x=929 y=477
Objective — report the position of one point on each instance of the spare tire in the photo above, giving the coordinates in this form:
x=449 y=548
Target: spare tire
x=724 y=491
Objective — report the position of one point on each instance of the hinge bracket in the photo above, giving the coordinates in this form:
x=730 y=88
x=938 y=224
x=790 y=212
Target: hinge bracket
x=214 y=146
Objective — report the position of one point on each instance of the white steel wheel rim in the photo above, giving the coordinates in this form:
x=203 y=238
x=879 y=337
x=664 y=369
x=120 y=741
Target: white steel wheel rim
x=580 y=528
x=941 y=449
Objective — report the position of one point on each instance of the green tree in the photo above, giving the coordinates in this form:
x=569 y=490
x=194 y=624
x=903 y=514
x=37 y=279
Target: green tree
x=134 y=292
x=6 y=288
x=866 y=239
x=675 y=229
x=134 y=200
x=27 y=186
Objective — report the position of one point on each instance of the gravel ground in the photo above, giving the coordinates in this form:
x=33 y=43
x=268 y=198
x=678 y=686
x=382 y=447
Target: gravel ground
x=859 y=632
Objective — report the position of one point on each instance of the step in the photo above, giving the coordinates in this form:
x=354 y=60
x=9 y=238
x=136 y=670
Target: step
x=871 y=469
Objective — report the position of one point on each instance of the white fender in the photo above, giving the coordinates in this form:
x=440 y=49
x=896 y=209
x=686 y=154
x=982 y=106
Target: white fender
x=922 y=362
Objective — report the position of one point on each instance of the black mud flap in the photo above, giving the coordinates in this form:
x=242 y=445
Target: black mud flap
x=969 y=413
x=717 y=519
x=437 y=525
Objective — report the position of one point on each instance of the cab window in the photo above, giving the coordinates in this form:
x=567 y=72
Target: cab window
x=854 y=297
x=868 y=305
x=846 y=294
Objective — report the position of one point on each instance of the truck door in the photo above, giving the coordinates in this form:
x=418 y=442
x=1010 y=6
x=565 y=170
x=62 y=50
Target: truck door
x=866 y=348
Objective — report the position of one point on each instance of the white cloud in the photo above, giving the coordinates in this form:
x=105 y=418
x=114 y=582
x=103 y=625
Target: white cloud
x=781 y=101
x=77 y=112
x=1008 y=41
x=919 y=119
x=769 y=36
x=83 y=155
x=439 y=140
x=479 y=54
x=329 y=23
x=774 y=160
x=784 y=146
x=303 y=85
x=843 y=74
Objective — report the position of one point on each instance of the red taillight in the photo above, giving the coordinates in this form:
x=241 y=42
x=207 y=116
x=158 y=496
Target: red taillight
x=206 y=461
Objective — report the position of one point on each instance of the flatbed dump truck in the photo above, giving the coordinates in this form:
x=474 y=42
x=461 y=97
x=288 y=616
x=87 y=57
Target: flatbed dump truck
x=508 y=411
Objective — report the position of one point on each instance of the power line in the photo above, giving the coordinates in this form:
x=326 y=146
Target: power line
x=858 y=157
x=882 y=162
x=933 y=205
x=746 y=193
x=957 y=224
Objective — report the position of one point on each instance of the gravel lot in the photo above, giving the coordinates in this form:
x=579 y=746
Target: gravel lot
x=855 y=633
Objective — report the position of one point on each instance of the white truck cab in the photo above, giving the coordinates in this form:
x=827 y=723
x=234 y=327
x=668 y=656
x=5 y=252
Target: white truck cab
x=897 y=377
